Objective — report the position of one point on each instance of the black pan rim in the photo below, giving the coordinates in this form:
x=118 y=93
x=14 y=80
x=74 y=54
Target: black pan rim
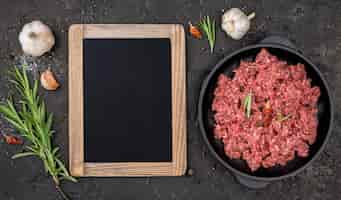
x=204 y=133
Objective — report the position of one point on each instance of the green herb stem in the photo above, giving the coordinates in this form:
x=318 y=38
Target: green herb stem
x=209 y=28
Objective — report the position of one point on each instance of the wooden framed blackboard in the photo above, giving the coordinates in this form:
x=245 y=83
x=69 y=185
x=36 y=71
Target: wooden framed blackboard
x=127 y=100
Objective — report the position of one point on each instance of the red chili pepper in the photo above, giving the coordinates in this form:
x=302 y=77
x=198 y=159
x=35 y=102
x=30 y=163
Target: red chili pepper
x=10 y=139
x=194 y=31
x=267 y=111
x=267 y=108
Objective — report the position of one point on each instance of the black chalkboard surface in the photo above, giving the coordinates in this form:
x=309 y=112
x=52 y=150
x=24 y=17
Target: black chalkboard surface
x=127 y=100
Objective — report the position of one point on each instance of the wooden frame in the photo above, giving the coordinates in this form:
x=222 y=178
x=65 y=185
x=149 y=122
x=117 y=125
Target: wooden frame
x=78 y=167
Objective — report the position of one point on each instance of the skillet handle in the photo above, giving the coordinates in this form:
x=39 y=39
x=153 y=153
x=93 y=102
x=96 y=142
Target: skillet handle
x=279 y=40
x=252 y=184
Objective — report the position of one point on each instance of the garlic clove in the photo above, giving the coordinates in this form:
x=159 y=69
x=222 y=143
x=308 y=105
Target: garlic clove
x=36 y=38
x=48 y=80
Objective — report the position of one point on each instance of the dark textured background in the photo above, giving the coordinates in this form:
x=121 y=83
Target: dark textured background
x=314 y=25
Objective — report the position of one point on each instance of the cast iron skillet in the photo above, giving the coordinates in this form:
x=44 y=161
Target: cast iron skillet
x=284 y=50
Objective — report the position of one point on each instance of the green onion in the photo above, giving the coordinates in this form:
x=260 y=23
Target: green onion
x=208 y=26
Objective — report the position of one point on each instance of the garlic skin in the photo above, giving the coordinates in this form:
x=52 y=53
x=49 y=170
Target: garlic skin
x=236 y=23
x=48 y=80
x=36 y=38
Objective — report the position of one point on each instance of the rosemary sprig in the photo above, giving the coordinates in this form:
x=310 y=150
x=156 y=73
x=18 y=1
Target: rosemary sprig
x=34 y=123
x=247 y=104
x=208 y=26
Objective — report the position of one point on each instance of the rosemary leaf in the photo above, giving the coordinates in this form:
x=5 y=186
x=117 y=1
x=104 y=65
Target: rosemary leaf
x=281 y=118
x=24 y=154
x=247 y=105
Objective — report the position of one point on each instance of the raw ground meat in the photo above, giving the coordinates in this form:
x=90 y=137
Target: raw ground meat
x=283 y=120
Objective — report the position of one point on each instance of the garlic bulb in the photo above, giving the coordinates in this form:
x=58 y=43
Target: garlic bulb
x=235 y=23
x=36 y=38
x=48 y=80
